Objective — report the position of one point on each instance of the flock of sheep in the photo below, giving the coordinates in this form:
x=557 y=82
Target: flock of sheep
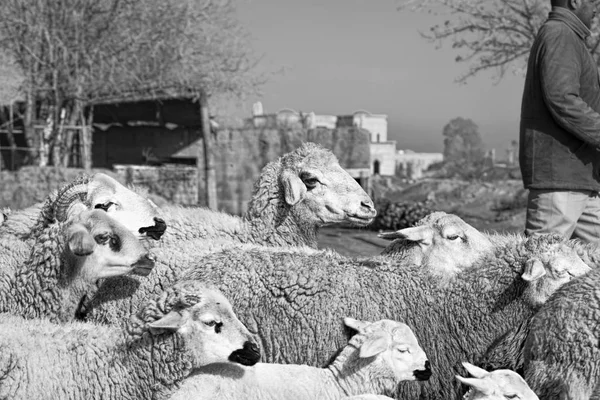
x=105 y=296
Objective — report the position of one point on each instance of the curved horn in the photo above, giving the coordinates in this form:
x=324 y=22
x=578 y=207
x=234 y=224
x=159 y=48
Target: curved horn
x=75 y=191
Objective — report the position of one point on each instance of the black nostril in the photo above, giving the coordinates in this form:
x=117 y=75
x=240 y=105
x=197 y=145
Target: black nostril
x=160 y=224
x=427 y=365
x=155 y=231
x=367 y=204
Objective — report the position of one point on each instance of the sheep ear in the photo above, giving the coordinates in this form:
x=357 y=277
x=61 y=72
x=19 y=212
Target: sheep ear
x=358 y=326
x=477 y=384
x=414 y=234
x=80 y=242
x=374 y=345
x=293 y=187
x=534 y=270
x=170 y=322
x=474 y=370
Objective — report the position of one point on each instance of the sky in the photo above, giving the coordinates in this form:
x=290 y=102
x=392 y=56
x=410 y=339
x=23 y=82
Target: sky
x=340 y=56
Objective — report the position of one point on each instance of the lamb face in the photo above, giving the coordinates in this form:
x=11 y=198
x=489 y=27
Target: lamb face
x=442 y=243
x=552 y=264
x=496 y=385
x=135 y=212
x=208 y=326
x=320 y=191
x=100 y=247
x=395 y=347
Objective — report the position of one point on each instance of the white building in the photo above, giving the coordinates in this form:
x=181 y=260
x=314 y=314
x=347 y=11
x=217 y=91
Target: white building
x=414 y=164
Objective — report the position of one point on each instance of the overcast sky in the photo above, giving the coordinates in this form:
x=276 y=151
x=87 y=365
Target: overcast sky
x=345 y=55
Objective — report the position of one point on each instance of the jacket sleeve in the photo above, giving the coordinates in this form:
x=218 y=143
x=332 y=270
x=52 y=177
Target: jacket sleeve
x=560 y=64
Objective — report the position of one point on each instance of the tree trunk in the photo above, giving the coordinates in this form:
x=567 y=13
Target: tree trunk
x=86 y=137
x=72 y=118
x=11 y=137
x=210 y=178
x=31 y=136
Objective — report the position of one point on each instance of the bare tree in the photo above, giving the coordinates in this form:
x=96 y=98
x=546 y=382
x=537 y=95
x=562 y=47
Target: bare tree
x=73 y=53
x=488 y=34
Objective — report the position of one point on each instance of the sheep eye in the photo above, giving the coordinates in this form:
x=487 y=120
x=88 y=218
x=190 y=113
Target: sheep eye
x=115 y=243
x=452 y=237
x=402 y=350
x=104 y=206
x=511 y=396
x=102 y=238
x=309 y=180
x=215 y=324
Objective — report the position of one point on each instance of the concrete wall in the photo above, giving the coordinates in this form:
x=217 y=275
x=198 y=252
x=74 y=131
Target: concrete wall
x=412 y=165
x=385 y=155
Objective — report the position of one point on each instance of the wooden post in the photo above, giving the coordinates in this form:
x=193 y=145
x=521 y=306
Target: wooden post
x=210 y=178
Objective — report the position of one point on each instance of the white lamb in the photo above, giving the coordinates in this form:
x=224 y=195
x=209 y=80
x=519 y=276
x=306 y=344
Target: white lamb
x=188 y=326
x=501 y=384
x=443 y=243
x=375 y=360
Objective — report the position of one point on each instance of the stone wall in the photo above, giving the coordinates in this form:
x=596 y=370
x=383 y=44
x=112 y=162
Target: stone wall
x=178 y=184
x=240 y=155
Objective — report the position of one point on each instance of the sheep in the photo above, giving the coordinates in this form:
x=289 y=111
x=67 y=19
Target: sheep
x=137 y=213
x=561 y=353
x=506 y=352
x=289 y=298
x=496 y=385
x=188 y=326
x=118 y=297
x=457 y=244
x=65 y=263
x=382 y=354
x=294 y=196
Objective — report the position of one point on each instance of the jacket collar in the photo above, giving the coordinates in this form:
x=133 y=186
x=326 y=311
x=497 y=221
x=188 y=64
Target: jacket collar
x=572 y=21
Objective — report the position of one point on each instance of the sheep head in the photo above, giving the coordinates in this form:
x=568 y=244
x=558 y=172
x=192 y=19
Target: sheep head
x=441 y=242
x=203 y=318
x=390 y=347
x=137 y=213
x=496 y=385
x=99 y=247
x=319 y=191
x=552 y=262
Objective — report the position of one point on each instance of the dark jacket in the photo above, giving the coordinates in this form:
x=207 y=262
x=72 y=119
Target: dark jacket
x=560 y=120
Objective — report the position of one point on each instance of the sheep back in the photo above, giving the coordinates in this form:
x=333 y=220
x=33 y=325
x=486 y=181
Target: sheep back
x=561 y=352
x=294 y=303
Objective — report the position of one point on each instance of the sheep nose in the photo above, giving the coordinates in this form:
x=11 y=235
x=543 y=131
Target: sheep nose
x=248 y=355
x=155 y=231
x=423 y=374
x=368 y=203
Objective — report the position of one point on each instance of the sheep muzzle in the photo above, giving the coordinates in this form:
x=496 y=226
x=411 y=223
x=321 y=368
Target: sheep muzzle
x=423 y=374
x=155 y=231
x=248 y=355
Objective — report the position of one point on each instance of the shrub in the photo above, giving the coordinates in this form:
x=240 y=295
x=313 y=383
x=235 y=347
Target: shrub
x=395 y=216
